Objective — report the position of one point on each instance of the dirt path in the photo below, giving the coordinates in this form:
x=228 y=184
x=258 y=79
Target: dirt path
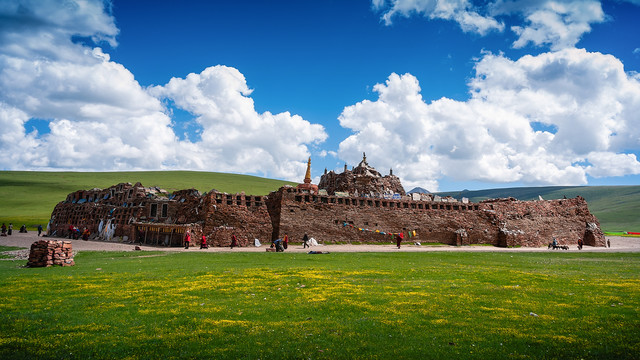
x=618 y=244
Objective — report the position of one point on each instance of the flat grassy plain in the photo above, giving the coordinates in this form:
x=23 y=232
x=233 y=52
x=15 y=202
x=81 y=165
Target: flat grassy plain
x=439 y=305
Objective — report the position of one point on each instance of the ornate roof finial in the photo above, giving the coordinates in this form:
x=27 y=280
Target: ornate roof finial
x=364 y=157
x=307 y=176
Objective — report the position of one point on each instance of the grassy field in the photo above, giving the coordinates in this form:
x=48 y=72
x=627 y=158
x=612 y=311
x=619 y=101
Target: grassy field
x=334 y=306
x=29 y=197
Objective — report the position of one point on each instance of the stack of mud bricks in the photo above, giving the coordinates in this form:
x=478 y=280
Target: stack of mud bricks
x=45 y=253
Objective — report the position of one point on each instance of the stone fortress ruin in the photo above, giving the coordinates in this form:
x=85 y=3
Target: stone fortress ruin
x=355 y=206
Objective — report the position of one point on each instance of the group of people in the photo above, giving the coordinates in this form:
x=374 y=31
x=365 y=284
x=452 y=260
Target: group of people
x=280 y=244
x=8 y=230
x=74 y=233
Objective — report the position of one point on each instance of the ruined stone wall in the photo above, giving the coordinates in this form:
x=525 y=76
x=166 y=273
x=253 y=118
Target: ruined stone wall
x=152 y=216
x=536 y=223
x=503 y=223
x=245 y=216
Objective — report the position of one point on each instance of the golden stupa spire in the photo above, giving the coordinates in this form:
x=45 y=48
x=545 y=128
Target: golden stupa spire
x=307 y=176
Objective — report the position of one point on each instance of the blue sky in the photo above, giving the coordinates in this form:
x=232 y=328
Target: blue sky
x=450 y=94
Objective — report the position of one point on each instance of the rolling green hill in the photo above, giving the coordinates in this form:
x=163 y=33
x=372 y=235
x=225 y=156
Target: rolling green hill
x=616 y=207
x=29 y=197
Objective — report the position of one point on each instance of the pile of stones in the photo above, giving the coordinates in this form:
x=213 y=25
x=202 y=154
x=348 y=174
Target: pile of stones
x=45 y=253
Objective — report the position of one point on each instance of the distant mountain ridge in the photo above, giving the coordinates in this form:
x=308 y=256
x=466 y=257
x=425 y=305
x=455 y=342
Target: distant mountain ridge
x=418 y=190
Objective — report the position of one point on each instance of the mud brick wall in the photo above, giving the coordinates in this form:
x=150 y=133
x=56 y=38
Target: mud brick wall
x=244 y=216
x=536 y=223
x=45 y=253
x=505 y=222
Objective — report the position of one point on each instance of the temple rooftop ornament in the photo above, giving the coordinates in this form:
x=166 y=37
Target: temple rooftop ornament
x=307 y=185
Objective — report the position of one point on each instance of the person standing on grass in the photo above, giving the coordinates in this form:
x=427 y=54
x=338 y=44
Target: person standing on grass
x=4 y=229
x=305 y=241
x=187 y=239
x=580 y=244
x=234 y=241
x=609 y=243
x=203 y=243
x=39 y=230
x=399 y=239
x=285 y=242
x=10 y=228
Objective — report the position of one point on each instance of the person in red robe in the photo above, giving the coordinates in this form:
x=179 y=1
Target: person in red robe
x=399 y=239
x=187 y=239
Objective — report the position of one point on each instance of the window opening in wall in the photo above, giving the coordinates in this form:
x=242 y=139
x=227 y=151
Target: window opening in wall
x=405 y=205
x=324 y=200
x=420 y=206
x=455 y=207
x=298 y=198
x=165 y=210
x=377 y=203
x=332 y=200
x=340 y=201
x=306 y=198
x=361 y=202
x=441 y=207
x=258 y=198
x=448 y=207
x=366 y=223
x=370 y=202
x=413 y=206
x=475 y=207
x=154 y=210
x=384 y=204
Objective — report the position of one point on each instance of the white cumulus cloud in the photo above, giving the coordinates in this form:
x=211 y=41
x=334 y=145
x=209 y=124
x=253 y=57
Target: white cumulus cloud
x=234 y=136
x=586 y=97
x=100 y=118
x=555 y=23
x=460 y=11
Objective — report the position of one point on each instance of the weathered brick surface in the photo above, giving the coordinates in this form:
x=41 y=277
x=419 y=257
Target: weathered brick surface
x=152 y=216
x=506 y=222
x=45 y=253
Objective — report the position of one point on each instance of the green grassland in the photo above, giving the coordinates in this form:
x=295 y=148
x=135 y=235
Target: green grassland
x=616 y=207
x=444 y=305
x=29 y=197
